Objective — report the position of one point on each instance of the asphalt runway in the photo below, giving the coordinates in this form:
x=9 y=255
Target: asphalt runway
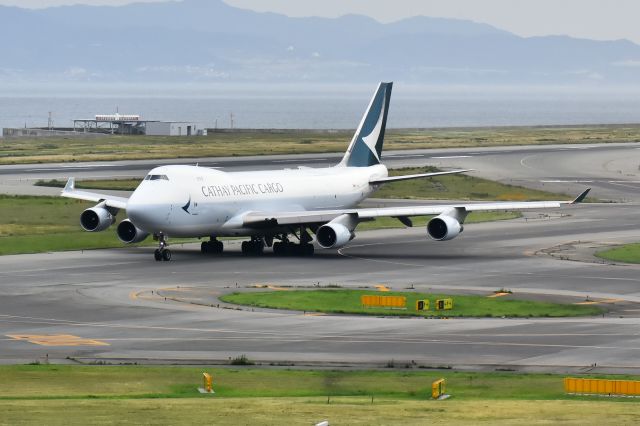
x=120 y=306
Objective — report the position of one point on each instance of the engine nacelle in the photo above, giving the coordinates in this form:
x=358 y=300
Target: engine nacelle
x=128 y=233
x=444 y=228
x=333 y=235
x=96 y=219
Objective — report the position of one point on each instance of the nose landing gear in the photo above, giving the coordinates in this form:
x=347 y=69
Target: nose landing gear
x=162 y=252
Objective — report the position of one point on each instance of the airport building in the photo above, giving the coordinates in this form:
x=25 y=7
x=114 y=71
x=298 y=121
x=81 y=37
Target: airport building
x=132 y=124
x=174 y=128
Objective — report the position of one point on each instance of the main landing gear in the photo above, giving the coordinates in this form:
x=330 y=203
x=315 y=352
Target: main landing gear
x=284 y=247
x=162 y=252
x=212 y=247
x=255 y=247
x=287 y=248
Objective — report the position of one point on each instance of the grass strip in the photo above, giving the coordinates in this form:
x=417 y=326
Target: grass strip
x=628 y=253
x=113 y=148
x=63 y=394
x=309 y=411
x=405 y=380
x=30 y=224
x=340 y=301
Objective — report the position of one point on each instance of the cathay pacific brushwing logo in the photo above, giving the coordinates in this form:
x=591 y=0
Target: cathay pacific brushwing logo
x=186 y=206
x=372 y=138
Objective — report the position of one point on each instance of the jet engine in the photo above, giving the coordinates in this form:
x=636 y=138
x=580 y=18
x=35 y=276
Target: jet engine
x=333 y=235
x=444 y=228
x=96 y=219
x=128 y=233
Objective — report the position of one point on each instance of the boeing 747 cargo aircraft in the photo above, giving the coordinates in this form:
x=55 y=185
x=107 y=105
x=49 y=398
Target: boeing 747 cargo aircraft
x=275 y=208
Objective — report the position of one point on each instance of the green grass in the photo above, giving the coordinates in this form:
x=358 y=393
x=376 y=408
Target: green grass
x=104 y=184
x=61 y=395
x=409 y=382
x=629 y=253
x=348 y=301
x=40 y=224
x=25 y=150
x=459 y=187
x=308 y=411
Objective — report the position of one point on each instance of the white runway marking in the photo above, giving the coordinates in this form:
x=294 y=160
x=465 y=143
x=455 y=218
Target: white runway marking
x=311 y=160
x=566 y=181
x=72 y=166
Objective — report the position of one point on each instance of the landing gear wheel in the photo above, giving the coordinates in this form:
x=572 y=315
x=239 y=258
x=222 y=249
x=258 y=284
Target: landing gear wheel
x=166 y=255
x=212 y=247
x=308 y=250
x=287 y=248
x=253 y=247
x=162 y=252
x=279 y=249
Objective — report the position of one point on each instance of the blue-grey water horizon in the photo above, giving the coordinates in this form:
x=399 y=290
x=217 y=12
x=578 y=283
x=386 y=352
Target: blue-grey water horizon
x=332 y=109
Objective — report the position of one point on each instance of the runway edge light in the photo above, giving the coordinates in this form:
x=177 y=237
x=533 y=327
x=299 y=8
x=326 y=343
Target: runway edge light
x=207 y=384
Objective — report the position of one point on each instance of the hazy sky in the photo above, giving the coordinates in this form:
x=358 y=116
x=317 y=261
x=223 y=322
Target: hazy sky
x=596 y=19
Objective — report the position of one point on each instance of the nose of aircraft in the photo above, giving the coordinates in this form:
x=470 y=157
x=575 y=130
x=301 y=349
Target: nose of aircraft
x=144 y=213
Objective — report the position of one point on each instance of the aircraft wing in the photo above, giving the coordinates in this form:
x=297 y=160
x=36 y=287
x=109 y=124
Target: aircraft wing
x=418 y=176
x=263 y=219
x=70 y=191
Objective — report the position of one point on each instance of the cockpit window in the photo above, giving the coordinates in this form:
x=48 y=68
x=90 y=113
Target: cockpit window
x=156 y=177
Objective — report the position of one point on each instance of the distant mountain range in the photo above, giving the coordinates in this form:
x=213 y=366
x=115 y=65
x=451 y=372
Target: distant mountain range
x=208 y=40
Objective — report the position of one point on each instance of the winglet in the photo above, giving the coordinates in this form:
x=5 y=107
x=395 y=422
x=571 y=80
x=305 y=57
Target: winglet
x=580 y=198
x=70 y=186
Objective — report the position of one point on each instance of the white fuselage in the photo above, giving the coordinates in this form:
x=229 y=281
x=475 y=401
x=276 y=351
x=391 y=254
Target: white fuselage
x=191 y=201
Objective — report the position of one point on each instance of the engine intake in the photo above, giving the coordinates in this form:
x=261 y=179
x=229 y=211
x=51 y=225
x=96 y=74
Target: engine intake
x=333 y=235
x=96 y=219
x=128 y=233
x=444 y=228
